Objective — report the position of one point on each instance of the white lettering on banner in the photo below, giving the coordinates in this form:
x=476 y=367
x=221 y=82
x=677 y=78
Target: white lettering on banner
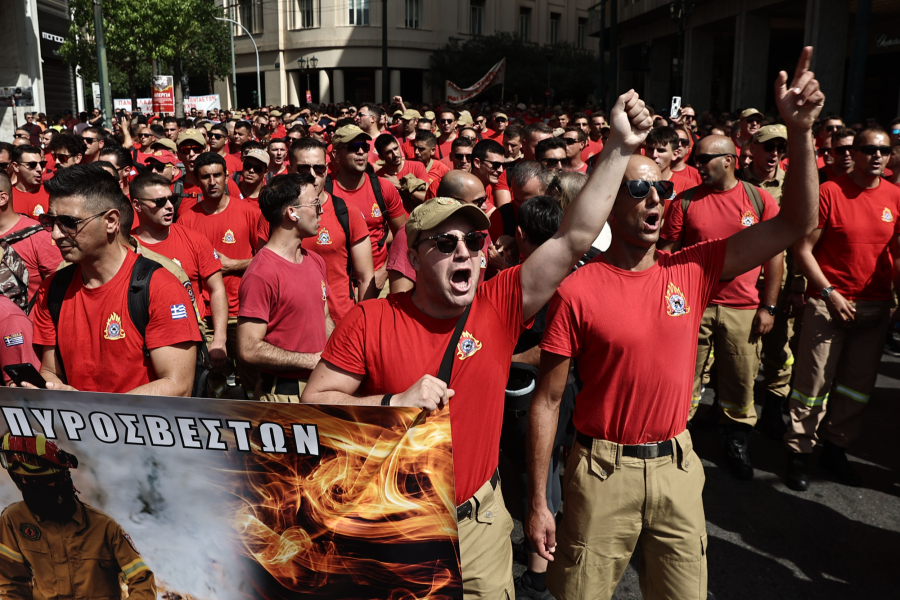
x=884 y=41
x=202 y=102
x=52 y=38
x=496 y=75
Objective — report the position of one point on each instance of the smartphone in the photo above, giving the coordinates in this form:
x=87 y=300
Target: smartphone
x=25 y=372
x=675 y=110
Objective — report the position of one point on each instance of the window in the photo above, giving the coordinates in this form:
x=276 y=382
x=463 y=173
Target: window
x=525 y=24
x=555 y=20
x=304 y=14
x=413 y=13
x=476 y=17
x=359 y=12
x=582 y=26
x=250 y=15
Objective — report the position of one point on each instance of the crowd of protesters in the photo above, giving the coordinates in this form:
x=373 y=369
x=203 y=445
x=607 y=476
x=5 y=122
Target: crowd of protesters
x=567 y=280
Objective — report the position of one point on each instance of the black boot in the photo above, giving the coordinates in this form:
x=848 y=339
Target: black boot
x=834 y=460
x=797 y=472
x=771 y=421
x=735 y=438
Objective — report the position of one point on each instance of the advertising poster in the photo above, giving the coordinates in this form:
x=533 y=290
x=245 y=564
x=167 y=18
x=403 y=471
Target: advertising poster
x=163 y=92
x=21 y=95
x=223 y=500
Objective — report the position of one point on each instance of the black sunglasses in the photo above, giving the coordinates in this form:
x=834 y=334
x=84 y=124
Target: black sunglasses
x=773 y=146
x=570 y=141
x=190 y=149
x=144 y=135
x=703 y=159
x=639 y=188
x=446 y=243
x=355 y=147
x=22 y=136
x=552 y=163
x=66 y=222
x=317 y=169
x=479 y=202
x=461 y=157
x=842 y=149
x=255 y=167
x=870 y=149
x=496 y=165
x=216 y=136
x=88 y=140
x=754 y=120
x=32 y=165
x=683 y=142
x=159 y=202
x=500 y=119
x=830 y=128
x=61 y=158
x=446 y=121
x=157 y=167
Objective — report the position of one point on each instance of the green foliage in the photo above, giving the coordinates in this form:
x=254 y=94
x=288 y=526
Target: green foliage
x=572 y=70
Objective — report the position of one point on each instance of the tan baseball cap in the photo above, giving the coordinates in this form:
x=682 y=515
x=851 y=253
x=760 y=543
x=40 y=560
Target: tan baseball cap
x=259 y=154
x=432 y=213
x=164 y=143
x=347 y=134
x=770 y=132
x=275 y=113
x=465 y=118
x=429 y=115
x=501 y=115
x=749 y=112
x=410 y=114
x=190 y=135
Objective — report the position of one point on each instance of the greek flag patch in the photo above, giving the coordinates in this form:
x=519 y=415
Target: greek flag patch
x=178 y=312
x=15 y=339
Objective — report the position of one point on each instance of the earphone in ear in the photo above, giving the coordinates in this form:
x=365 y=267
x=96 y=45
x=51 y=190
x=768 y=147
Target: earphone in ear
x=294 y=218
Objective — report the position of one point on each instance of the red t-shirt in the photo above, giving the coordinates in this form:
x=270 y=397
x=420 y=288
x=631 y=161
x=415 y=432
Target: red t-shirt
x=100 y=347
x=681 y=184
x=639 y=338
x=715 y=215
x=39 y=253
x=192 y=195
x=436 y=172
x=193 y=253
x=393 y=344
x=591 y=148
x=232 y=232
x=443 y=151
x=857 y=228
x=17 y=332
x=290 y=298
x=398 y=260
x=233 y=164
x=410 y=167
x=31 y=205
x=690 y=174
x=364 y=199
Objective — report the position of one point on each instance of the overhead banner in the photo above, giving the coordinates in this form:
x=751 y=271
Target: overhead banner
x=223 y=500
x=163 y=92
x=202 y=102
x=495 y=76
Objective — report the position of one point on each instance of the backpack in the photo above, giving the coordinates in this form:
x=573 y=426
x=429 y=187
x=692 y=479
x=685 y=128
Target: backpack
x=379 y=198
x=13 y=272
x=343 y=217
x=138 y=312
x=752 y=191
x=178 y=192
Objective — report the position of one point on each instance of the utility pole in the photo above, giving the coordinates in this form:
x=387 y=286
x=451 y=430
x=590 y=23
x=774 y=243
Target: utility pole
x=102 y=72
x=385 y=76
x=233 y=70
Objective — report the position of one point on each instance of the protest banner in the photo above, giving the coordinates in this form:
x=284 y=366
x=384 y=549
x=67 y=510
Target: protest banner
x=145 y=105
x=225 y=500
x=202 y=102
x=496 y=75
x=163 y=92
x=122 y=104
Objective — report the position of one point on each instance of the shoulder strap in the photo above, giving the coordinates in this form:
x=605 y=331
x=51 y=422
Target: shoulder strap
x=236 y=178
x=379 y=198
x=178 y=192
x=447 y=362
x=329 y=185
x=134 y=154
x=139 y=295
x=269 y=176
x=686 y=200
x=21 y=234
x=755 y=199
x=58 y=287
x=343 y=217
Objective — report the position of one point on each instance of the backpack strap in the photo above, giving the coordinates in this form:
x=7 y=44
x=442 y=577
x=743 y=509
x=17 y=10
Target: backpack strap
x=329 y=185
x=447 y=362
x=236 y=178
x=21 y=234
x=269 y=177
x=343 y=217
x=139 y=295
x=755 y=199
x=686 y=200
x=379 y=198
x=178 y=192
x=134 y=154
x=60 y=283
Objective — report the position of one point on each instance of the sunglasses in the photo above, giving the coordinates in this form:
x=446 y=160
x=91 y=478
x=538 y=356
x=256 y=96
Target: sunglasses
x=157 y=167
x=460 y=157
x=496 y=165
x=357 y=147
x=66 y=223
x=683 y=143
x=315 y=205
x=61 y=158
x=500 y=120
x=479 y=121
x=552 y=163
x=842 y=149
x=479 y=202
x=446 y=243
x=688 y=117
x=144 y=135
x=22 y=136
x=773 y=146
x=32 y=165
x=870 y=150
x=255 y=167
x=703 y=159
x=570 y=141
x=446 y=121
x=216 y=136
x=191 y=149
x=319 y=170
x=89 y=140
x=754 y=120
x=159 y=202
x=639 y=188
x=830 y=128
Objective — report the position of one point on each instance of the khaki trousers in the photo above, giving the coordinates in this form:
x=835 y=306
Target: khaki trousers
x=737 y=348
x=613 y=503
x=836 y=369
x=269 y=395
x=777 y=358
x=485 y=549
x=245 y=373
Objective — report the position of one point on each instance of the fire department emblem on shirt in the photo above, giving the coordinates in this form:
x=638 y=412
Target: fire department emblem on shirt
x=887 y=216
x=113 y=329
x=324 y=293
x=747 y=219
x=676 y=305
x=229 y=237
x=324 y=237
x=38 y=210
x=467 y=346
x=376 y=212
x=30 y=532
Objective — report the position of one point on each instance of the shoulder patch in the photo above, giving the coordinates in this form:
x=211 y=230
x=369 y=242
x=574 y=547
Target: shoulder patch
x=131 y=543
x=30 y=532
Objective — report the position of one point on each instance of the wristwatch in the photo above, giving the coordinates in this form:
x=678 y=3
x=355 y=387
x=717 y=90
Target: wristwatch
x=769 y=309
x=827 y=292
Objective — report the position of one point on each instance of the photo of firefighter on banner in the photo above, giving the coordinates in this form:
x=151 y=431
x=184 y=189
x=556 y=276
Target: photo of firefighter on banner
x=114 y=496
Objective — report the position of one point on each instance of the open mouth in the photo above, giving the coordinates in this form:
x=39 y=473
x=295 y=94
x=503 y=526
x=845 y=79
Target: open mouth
x=461 y=280
x=651 y=221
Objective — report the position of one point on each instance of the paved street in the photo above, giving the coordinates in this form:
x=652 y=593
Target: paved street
x=830 y=543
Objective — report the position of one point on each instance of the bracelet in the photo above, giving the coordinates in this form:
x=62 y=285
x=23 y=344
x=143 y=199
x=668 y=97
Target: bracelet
x=826 y=292
x=386 y=401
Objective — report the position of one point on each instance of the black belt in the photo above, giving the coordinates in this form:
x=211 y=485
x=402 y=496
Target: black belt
x=465 y=509
x=645 y=451
x=284 y=386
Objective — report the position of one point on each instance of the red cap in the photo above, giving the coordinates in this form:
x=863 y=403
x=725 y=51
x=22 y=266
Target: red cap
x=316 y=129
x=163 y=156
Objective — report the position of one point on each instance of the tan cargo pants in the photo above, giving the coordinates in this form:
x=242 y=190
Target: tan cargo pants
x=245 y=373
x=613 y=503
x=836 y=369
x=730 y=331
x=485 y=548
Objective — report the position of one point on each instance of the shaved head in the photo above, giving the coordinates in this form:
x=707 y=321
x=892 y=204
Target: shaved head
x=718 y=172
x=461 y=185
x=642 y=167
x=716 y=144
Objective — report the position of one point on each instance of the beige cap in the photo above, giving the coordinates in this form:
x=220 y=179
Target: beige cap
x=465 y=118
x=432 y=213
x=770 y=132
x=409 y=114
x=501 y=115
x=259 y=154
x=521 y=106
x=429 y=115
x=164 y=143
x=190 y=135
x=347 y=134
x=275 y=113
x=749 y=112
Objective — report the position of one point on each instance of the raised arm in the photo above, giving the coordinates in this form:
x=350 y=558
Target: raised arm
x=551 y=262
x=799 y=106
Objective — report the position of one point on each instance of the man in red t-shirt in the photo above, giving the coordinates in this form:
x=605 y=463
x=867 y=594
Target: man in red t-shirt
x=353 y=184
x=192 y=144
x=736 y=317
x=278 y=156
x=575 y=142
x=488 y=164
x=382 y=348
x=18 y=335
x=838 y=157
x=284 y=322
x=189 y=250
x=595 y=136
x=218 y=143
x=447 y=123
x=95 y=346
x=424 y=146
x=396 y=168
x=534 y=134
x=683 y=174
x=661 y=146
x=254 y=169
x=849 y=261
x=29 y=196
x=632 y=314
x=229 y=224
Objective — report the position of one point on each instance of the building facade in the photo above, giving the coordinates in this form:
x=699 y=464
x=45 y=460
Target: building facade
x=345 y=37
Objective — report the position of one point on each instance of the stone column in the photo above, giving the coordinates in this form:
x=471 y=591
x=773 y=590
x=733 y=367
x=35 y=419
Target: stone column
x=751 y=57
x=295 y=91
x=395 y=83
x=337 y=79
x=378 y=85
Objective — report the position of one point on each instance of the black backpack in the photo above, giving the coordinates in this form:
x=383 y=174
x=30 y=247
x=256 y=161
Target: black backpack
x=178 y=192
x=13 y=272
x=343 y=217
x=138 y=312
x=379 y=198
x=751 y=190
